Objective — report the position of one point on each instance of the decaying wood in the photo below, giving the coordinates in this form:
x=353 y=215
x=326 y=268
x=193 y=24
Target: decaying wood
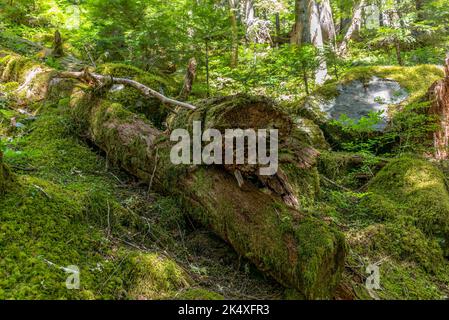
x=297 y=249
x=57 y=45
x=439 y=96
x=94 y=78
x=188 y=79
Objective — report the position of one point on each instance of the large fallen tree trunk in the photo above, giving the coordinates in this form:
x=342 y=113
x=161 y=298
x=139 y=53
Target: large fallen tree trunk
x=439 y=96
x=297 y=249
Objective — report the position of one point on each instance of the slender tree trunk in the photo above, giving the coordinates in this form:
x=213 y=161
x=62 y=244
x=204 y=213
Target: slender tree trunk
x=249 y=15
x=379 y=4
x=353 y=28
x=397 y=47
x=398 y=9
x=234 y=34
x=207 y=67
x=306 y=80
x=301 y=29
x=278 y=29
x=58 y=51
x=419 y=6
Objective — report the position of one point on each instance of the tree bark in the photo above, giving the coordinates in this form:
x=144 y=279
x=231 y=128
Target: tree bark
x=249 y=15
x=58 y=51
x=301 y=29
x=397 y=47
x=419 y=6
x=234 y=34
x=278 y=29
x=316 y=36
x=327 y=22
x=439 y=96
x=353 y=28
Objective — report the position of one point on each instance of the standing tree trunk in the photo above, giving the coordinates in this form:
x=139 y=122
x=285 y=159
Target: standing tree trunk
x=249 y=16
x=327 y=22
x=316 y=37
x=380 y=7
x=397 y=48
x=278 y=29
x=301 y=29
x=353 y=28
x=419 y=6
x=234 y=34
x=439 y=96
x=207 y=66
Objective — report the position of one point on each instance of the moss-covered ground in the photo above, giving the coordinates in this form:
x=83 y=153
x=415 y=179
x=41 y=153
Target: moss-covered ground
x=62 y=204
x=67 y=206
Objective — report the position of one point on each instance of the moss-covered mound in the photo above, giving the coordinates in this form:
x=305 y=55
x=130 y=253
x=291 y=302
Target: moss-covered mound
x=413 y=188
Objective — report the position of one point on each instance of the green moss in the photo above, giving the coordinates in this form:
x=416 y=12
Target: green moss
x=6 y=177
x=60 y=216
x=199 y=294
x=411 y=264
x=132 y=99
x=156 y=277
x=415 y=188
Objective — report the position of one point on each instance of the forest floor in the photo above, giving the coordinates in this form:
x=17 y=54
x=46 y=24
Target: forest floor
x=54 y=218
x=70 y=206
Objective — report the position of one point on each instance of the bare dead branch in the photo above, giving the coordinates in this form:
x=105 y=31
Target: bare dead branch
x=89 y=77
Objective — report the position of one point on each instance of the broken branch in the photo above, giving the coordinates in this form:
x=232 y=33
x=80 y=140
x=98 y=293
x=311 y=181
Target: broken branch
x=87 y=76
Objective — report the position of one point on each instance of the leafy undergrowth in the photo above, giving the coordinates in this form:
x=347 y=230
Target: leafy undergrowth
x=67 y=207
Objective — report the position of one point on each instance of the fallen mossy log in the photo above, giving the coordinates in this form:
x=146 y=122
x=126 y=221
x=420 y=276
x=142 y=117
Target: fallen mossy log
x=297 y=249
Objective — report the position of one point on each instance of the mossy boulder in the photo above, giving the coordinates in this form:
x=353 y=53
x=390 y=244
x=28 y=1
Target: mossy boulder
x=314 y=133
x=415 y=188
x=33 y=77
x=409 y=85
